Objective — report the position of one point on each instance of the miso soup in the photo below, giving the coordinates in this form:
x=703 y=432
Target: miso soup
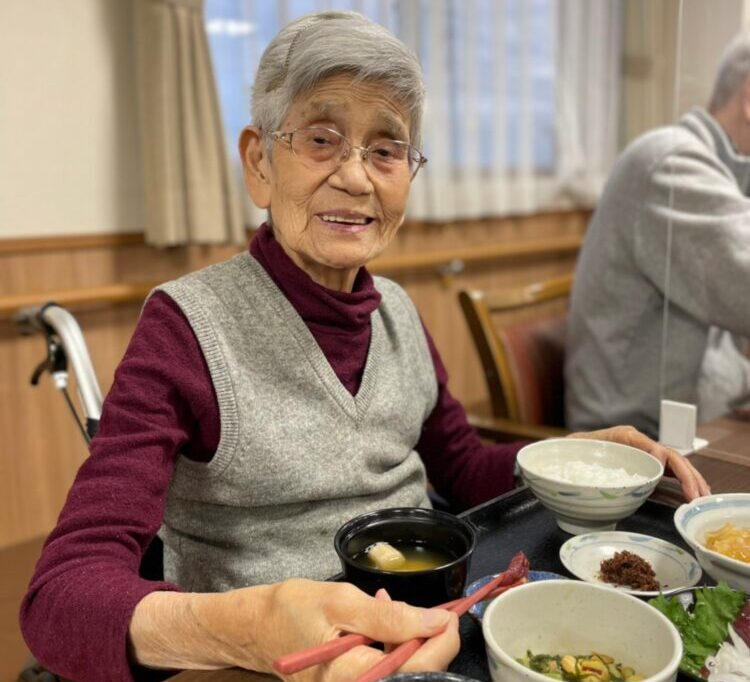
x=418 y=557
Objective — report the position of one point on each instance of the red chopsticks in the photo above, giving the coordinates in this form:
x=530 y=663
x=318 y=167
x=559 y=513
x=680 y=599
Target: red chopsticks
x=306 y=658
x=402 y=653
x=292 y=663
x=517 y=571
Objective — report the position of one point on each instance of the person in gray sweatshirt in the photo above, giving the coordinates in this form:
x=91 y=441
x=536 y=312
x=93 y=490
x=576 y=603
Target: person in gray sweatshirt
x=672 y=229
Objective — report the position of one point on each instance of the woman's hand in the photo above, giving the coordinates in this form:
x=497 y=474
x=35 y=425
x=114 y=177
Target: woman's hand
x=304 y=613
x=693 y=484
x=252 y=626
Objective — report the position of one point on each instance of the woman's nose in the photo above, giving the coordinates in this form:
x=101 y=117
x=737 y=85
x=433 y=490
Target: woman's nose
x=351 y=174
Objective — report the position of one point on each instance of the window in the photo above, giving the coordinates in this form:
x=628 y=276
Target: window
x=239 y=31
x=511 y=93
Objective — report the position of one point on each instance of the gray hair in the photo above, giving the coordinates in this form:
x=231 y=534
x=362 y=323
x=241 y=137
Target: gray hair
x=325 y=44
x=734 y=68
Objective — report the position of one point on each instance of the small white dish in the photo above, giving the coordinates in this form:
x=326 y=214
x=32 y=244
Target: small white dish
x=675 y=568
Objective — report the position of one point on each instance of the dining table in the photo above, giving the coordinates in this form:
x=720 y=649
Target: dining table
x=724 y=462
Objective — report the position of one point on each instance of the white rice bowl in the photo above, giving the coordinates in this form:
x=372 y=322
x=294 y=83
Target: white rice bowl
x=588 y=484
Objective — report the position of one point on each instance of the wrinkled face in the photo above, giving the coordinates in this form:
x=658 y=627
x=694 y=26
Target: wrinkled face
x=331 y=221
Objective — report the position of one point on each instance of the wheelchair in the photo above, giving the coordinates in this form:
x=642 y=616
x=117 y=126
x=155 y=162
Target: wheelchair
x=66 y=348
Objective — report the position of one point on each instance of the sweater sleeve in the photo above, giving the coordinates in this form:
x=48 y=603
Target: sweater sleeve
x=76 y=613
x=460 y=467
x=689 y=192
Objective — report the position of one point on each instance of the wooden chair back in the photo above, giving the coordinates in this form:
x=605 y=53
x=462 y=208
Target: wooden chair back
x=522 y=360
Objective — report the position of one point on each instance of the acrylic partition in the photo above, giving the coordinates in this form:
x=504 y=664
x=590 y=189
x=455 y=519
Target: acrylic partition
x=659 y=308
x=703 y=228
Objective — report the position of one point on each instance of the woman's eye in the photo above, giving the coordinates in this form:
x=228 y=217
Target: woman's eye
x=383 y=152
x=388 y=151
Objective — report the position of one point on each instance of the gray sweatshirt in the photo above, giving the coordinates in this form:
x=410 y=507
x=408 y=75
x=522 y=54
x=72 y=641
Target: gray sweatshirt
x=689 y=181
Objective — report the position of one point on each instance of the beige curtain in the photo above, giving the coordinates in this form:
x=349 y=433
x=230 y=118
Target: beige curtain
x=191 y=193
x=672 y=51
x=649 y=66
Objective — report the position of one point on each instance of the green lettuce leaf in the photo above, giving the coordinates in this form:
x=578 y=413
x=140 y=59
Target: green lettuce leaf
x=705 y=627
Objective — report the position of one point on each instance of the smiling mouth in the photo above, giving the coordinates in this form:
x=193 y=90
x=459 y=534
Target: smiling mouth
x=345 y=220
x=346 y=224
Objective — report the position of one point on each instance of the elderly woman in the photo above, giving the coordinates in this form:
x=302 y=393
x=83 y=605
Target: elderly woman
x=264 y=401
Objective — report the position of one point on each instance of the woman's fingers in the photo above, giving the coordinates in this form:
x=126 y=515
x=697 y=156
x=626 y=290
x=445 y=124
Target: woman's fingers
x=387 y=621
x=692 y=482
x=438 y=651
x=304 y=613
x=435 y=654
x=383 y=594
x=349 y=666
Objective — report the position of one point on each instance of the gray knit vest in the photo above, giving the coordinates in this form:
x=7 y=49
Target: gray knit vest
x=298 y=454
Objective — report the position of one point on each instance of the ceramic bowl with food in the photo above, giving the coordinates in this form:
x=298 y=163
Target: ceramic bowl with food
x=420 y=556
x=428 y=677
x=673 y=568
x=588 y=484
x=594 y=626
x=710 y=517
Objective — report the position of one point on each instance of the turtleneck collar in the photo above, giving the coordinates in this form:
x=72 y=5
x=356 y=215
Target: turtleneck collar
x=316 y=304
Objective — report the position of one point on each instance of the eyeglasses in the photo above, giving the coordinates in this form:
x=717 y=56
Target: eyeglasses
x=326 y=148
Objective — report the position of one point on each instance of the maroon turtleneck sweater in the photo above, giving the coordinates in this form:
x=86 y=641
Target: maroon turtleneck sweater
x=162 y=403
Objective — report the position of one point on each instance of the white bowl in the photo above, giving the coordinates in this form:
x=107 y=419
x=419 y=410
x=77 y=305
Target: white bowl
x=583 y=507
x=696 y=519
x=571 y=617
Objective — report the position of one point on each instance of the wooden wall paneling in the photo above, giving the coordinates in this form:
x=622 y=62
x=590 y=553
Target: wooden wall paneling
x=38 y=454
x=71 y=242
x=41 y=446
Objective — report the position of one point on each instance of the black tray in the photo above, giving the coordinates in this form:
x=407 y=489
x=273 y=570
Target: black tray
x=517 y=521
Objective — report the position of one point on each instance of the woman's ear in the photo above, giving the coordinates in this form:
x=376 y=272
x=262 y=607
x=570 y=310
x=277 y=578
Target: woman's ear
x=255 y=166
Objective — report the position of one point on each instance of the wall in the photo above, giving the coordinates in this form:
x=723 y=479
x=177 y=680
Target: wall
x=68 y=118
x=41 y=448
x=707 y=28
x=671 y=52
x=68 y=124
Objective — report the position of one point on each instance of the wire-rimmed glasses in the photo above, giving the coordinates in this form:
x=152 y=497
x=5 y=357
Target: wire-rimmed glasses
x=326 y=148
